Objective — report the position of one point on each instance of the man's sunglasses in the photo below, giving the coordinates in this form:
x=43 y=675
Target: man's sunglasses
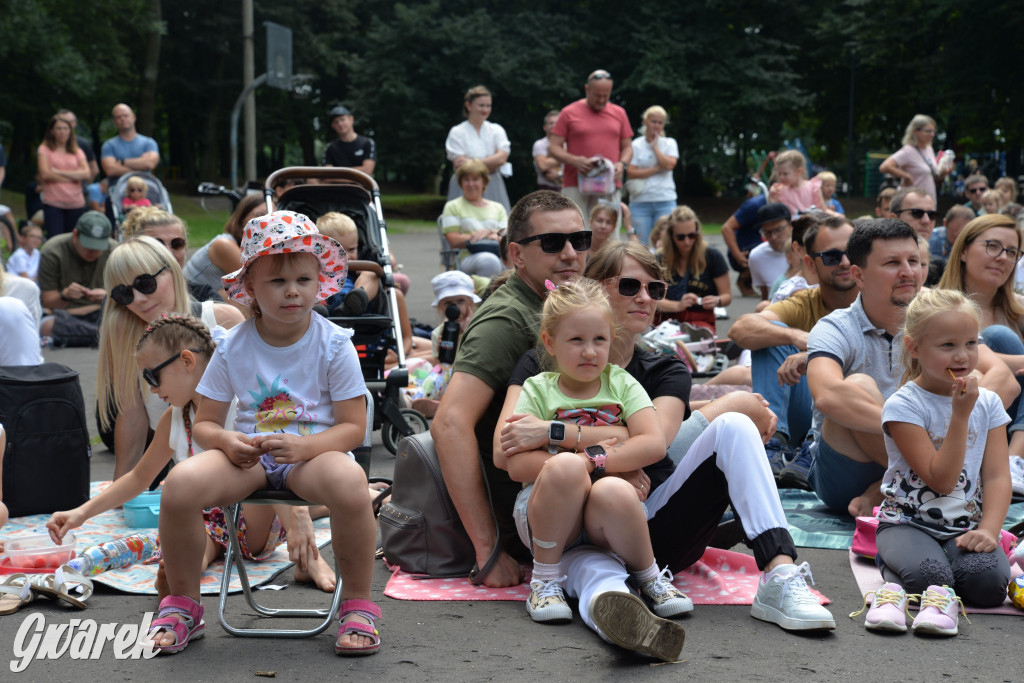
x=554 y=242
x=919 y=213
x=145 y=283
x=152 y=375
x=832 y=257
x=630 y=286
x=977 y=190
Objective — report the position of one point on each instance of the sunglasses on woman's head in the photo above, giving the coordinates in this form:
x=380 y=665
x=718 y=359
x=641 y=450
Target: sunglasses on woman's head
x=630 y=286
x=554 y=242
x=152 y=375
x=145 y=283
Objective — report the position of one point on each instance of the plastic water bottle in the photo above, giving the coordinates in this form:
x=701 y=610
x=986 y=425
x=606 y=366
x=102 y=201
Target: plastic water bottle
x=116 y=554
x=449 y=335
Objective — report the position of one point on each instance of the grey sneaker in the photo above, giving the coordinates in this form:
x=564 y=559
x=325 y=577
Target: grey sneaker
x=546 y=603
x=625 y=620
x=784 y=598
x=794 y=472
x=665 y=599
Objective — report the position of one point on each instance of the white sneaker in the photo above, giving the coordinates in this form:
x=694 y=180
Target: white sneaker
x=625 y=620
x=783 y=598
x=547 y=602
x=666 y=600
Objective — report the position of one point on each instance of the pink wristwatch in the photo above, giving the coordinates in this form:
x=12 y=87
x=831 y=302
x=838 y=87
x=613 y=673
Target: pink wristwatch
x=597 y=455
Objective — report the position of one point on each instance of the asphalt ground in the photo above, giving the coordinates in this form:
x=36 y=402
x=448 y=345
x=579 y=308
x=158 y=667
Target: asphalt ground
x=474 y=641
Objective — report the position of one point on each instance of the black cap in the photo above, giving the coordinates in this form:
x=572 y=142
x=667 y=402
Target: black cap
x=773 y=211
x=340 y=110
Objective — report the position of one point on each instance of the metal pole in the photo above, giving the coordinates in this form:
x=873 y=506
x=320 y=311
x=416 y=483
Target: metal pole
x=248 y=73
x=235 y=113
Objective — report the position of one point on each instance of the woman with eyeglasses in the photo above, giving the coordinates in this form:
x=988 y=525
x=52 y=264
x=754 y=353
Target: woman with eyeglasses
x=982 y=264
x=144 y=282
x=915 y=163
x=716 y=455
x=170 y=231
x=698 y=276
x=479 y=139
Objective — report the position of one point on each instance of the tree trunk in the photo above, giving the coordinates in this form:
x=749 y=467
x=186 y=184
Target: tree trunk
x=150 y=70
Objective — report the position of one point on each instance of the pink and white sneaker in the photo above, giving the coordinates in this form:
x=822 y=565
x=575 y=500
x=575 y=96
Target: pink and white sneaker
x=938 y=615
x=888 y=610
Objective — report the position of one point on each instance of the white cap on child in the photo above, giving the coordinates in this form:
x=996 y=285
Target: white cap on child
x=452 y=283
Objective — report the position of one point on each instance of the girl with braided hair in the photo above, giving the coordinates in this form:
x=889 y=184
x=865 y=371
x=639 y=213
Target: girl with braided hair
x=172 y=355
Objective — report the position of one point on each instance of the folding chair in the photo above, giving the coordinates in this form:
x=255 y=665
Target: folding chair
x=233 y=558
x=449 y=255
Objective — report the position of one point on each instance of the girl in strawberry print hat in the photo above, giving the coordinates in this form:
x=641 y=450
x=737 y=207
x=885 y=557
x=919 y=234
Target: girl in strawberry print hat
x=301 y=411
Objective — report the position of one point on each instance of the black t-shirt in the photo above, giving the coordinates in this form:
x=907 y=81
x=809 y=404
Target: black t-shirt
x=348 y=154
x=86 y=147
x=715 y=266
x=658 y=375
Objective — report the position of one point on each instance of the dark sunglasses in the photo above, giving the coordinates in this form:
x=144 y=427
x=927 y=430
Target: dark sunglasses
x=630 y=286
x=679 y=237
x=554 y=242
x=976 y=190
x=919 y=213
x=177 y=244
x=832 y=257
x=145 y=283
x=152 y=375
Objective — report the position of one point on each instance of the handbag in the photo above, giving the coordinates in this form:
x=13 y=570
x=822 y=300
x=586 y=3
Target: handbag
x=599 y=181
x=635 y=187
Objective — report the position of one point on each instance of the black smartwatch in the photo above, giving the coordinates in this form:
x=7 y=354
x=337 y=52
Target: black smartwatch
x=556 y=435
x=597 y=455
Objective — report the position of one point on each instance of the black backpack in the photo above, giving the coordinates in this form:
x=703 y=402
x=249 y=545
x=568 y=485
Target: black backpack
x=46 y=462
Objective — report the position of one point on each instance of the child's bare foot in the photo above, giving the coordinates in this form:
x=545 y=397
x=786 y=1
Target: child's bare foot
x=320 y=573
x=864 y=506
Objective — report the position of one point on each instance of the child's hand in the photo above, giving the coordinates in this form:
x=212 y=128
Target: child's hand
x=773 y=191
x=524 y=432
x=977 y=541
x=62 y=522
x=240 y=449
x=285 y=449
x=965 y=394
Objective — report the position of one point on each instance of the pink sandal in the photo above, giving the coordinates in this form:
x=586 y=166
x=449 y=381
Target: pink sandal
x=192 y=628
x=367 y=610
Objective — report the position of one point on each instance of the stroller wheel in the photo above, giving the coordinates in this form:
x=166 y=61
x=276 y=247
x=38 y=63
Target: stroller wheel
x=391 y=435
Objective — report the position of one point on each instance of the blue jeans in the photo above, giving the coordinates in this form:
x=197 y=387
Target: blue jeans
x=792 y=404
x=1002 y=339
x=644 y=215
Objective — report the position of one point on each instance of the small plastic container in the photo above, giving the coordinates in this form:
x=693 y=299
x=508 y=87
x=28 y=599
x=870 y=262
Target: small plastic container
x=39 y=552
x=143 y=511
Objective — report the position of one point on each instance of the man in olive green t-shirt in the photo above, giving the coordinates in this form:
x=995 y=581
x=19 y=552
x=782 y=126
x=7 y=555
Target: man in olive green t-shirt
x=503 y=329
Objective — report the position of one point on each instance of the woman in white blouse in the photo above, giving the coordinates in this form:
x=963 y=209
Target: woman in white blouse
x=478 y=138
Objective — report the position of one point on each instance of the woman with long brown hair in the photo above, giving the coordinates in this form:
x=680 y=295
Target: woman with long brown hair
x=62 y=168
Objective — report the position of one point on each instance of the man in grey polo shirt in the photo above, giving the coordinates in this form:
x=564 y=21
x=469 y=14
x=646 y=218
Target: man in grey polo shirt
x=854 y=363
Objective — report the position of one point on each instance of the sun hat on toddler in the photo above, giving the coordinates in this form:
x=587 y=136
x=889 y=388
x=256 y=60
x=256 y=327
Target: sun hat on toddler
x=286 y=232
x=453 y=283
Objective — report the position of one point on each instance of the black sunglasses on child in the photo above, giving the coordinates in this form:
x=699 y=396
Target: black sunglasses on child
x=832 y=257
x=630 y=286
x=145 y=283
x=152 y=375
x=554 y=242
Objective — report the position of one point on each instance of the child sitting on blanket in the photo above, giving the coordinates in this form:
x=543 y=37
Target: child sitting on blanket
x=570 y=495
x=301 y=410
x=172 y=355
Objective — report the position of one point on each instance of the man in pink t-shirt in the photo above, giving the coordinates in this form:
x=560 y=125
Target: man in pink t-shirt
x=589 y=128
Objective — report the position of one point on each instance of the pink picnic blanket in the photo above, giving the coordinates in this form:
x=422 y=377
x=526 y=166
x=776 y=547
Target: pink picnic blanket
x=869 y=578
x=720 y=577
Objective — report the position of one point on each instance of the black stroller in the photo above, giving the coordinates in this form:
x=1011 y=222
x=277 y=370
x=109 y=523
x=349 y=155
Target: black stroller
x=357 y=195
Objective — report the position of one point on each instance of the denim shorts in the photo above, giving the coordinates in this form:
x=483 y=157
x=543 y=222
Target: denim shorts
x=836 y=479
x=523 y=526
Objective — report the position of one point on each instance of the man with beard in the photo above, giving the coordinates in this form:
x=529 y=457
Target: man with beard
x=777 y=337
x=854 y=363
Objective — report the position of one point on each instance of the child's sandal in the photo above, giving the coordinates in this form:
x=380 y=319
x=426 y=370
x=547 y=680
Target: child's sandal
x=367 y=610
x=192 y=628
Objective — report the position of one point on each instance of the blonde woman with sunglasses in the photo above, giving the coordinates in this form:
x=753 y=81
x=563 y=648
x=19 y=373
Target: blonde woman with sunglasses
x=697 y=276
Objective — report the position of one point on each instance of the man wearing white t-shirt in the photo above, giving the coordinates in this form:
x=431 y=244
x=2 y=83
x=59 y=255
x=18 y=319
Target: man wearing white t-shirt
x=768 y=259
